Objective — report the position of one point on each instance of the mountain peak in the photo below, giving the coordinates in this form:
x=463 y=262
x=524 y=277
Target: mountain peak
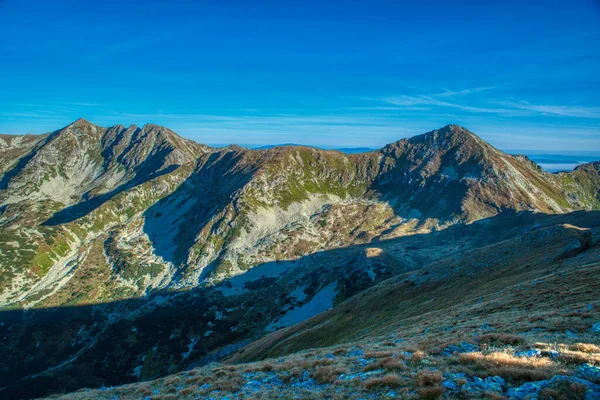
x=80 y=123
x=453 y=130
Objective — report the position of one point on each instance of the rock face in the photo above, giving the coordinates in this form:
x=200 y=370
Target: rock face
x=221 y=245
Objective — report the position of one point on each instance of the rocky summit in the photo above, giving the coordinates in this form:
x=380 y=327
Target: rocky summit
x=135 y=263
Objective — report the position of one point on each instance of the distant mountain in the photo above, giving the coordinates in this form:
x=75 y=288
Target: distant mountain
x=353 y=150
x=172 y=250
x=347 y=150
x=270 y=146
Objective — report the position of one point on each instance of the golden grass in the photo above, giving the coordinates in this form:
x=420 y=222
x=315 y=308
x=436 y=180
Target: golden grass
x=585 y=347
x=418 y=356
x=512 y=368
x=503 y=359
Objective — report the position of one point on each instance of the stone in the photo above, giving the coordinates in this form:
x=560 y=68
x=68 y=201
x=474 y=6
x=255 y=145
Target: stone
x=464 y=347
x=528 y=353
x=356 y=353
x=589 y=371
x=451 y=386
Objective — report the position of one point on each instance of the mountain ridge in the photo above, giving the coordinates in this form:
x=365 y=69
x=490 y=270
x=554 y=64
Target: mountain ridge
x=439 y=178
x=133 y=224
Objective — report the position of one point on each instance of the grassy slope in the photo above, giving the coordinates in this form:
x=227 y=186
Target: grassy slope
x=438 y=291
x=518 y=294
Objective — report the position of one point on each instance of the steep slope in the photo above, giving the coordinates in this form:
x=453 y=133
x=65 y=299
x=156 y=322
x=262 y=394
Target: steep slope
x=67 y=175
x=485 y=322
x=452 y=173
x=536 y=248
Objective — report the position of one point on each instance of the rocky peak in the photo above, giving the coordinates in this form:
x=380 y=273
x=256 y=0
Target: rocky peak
x=80 y=122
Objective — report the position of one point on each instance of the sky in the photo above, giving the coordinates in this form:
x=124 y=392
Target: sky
x=520 y=74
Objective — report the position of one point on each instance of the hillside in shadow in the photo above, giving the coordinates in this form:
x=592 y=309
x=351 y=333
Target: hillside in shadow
x=47 y=351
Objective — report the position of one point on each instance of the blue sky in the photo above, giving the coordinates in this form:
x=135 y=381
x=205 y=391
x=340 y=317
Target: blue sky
x=521 y=74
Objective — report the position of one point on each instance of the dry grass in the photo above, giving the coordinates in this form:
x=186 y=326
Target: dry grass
x=172 y=381
x=187 y=391
x=232 y=383
x=429 y=378
x=310 y=364
x=510 y=367
x=144 y=390
x=378 y=354
x=585 y=347
x=577 y=353
x=501 y=339
x=418 y=356
x=390 y=364
x=502 y=359
x=327 y=374
x=494 y=396
x=578 y=357
x=389 y=380
x=267 y=367
x=431 y=393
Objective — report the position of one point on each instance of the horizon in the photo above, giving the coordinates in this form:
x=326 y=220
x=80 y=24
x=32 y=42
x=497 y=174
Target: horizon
x=535 y=155
x=334 y=75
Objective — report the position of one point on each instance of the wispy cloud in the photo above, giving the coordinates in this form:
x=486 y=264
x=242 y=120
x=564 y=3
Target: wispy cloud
x=561 y=110
x=460 y=100
x=422 y=100
x=450 y=93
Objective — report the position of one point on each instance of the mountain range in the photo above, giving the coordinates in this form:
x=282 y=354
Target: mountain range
x=130 y=253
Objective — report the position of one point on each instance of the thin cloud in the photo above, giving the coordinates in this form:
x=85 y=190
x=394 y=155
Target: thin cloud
x=453 y=99
x=411 y=101
x=561 y=110
x=450 y=93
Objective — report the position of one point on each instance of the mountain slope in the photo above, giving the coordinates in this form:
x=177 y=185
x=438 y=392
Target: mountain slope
x=485 y=322
x=116 y=228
